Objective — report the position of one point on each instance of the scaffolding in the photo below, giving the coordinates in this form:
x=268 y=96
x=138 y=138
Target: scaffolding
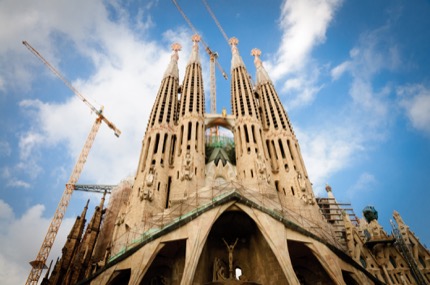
x=154 y=225
x=403 y=248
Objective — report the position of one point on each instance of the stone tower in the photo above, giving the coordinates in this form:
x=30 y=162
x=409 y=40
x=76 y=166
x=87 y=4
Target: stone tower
x=236 y=213
x=251 y=158
x=188 y=172
x=152 y=180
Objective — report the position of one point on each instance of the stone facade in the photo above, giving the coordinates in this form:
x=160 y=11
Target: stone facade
x=238 y=212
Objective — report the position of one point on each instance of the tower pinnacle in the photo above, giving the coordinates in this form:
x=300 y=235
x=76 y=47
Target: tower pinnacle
x=194 y=57
x=172 y=68
x=236 y=60
x=262 y=75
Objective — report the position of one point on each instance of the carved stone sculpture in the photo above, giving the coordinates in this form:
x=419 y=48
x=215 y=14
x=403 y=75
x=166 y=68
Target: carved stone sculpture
x=187 y=167
x=148 y=185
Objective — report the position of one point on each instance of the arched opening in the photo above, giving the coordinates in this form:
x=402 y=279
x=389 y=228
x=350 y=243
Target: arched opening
x=220 y=147
x=120 y=277
x=168 y=266
x=306 y=266
x=349 y=278
x=236 y=250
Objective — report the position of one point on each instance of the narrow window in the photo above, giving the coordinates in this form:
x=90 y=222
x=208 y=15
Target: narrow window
x=253 y=134
x=190 y=127
x=277 y=185
x=172 y=150
x=246 y=134
x=157 y=140
x=282 y=148
x=169 y=183
x=164 y=143
x=289 y=149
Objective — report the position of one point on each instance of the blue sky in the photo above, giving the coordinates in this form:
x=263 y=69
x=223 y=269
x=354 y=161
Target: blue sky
x=353 y=76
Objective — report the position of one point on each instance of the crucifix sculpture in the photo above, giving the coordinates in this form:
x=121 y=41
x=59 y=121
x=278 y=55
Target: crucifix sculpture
x=230 y=249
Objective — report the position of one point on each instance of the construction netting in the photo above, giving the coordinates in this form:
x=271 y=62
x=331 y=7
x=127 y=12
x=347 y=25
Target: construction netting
x=256 y=196
x=119 y=197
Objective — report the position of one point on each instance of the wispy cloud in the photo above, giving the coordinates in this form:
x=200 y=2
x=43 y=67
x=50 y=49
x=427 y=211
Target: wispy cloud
x=121 y=80
x=414 y=99
x=363 y=122
x=16 y=248
x=304 y=25
x=364 y=183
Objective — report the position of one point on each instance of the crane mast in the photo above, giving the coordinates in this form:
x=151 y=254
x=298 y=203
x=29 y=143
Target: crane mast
x=214 y=132
x=39 y=263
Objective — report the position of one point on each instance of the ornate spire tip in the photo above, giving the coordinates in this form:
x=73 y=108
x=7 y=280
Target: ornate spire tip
x=255 y=52
x=233 y=41
x=196 y=38
x=176 y=47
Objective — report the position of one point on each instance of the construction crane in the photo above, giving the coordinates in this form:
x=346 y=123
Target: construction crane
x=214 y=132
x=216 y=21
x=94 y=188
x=39 y=263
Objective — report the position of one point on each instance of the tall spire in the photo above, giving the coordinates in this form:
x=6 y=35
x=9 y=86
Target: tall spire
x=262 y=75
x=69 y=249
x=194 y=57
x=236 y=60
x=251 y=162
x=190 y=148
x=172 y=68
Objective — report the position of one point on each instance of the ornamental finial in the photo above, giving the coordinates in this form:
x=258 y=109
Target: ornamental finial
x=196 y=38
x=233 y=41
x=176 y=47
x=256 y=54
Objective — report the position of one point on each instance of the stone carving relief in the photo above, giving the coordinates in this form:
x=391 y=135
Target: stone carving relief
x=120 y=219
x=218 y=270
x=302 y=182
x=148 y=185
x=375 y=230
x=262 y=173
x=404 y=229
x=187 y=167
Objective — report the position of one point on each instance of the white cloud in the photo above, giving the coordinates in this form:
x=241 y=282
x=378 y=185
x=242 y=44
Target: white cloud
x=325 y=153
x=304 y=24
x=126 y=77
x=17 y=249
x=339 y=70
x=18 y=183
x=364 y=183
x=415 y=101
x=7 y=175
x=356 y=127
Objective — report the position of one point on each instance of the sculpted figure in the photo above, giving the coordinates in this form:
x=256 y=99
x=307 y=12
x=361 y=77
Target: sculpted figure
x=148 y=185
x=187 y=167
x=230 y=249
x=301 y=181
x=218 y=270
x=150 y=176
x=262 y=169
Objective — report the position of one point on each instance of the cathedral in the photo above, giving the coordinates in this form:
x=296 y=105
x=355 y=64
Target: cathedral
x=230 y=210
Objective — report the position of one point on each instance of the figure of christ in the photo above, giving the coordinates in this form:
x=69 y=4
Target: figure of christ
x=230 y=249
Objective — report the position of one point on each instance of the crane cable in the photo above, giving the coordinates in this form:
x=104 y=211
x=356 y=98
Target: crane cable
x=216 y=21
x=208 y=50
